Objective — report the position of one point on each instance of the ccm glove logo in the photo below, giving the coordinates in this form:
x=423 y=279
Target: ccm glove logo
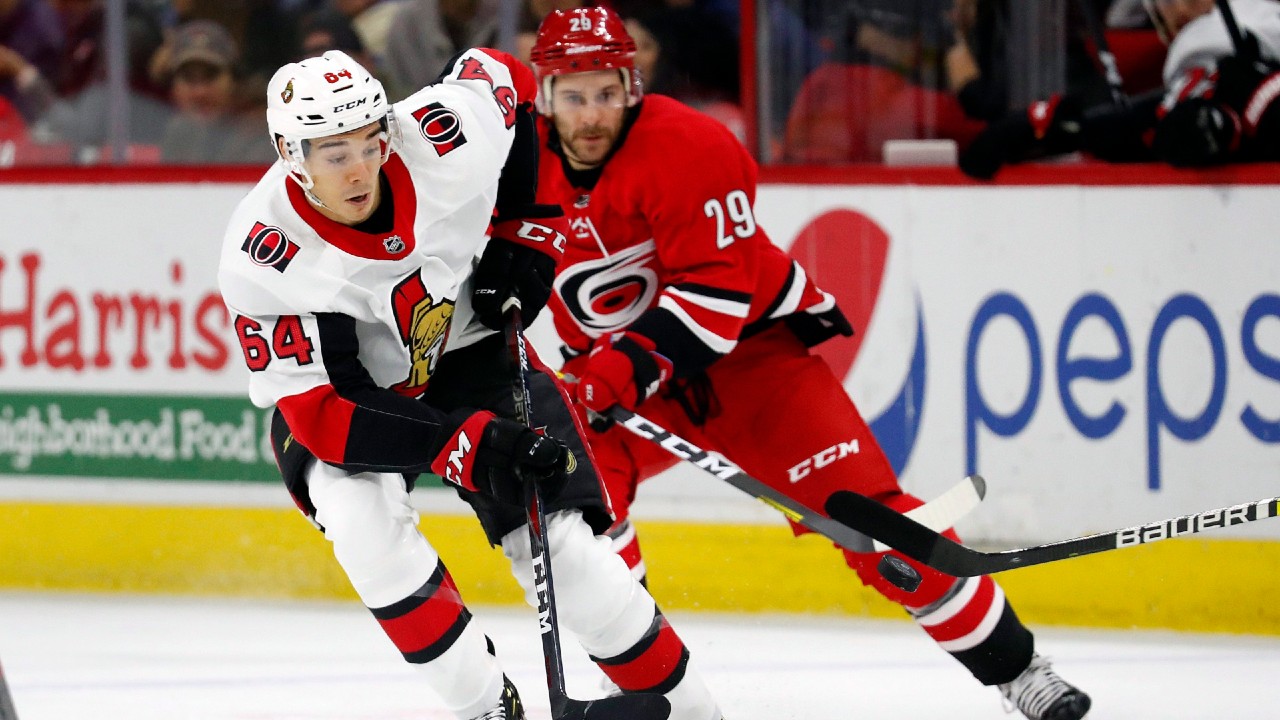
x=456 y=461
x=533 y=232
x=542 y=235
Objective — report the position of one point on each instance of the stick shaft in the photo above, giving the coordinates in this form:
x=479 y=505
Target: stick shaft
x=931 y=548
x=938 y=515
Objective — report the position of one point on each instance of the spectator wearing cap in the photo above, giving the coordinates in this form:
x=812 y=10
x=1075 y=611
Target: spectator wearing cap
x=210 y=124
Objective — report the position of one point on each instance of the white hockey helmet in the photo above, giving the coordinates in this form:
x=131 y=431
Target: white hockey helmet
x=323 y=96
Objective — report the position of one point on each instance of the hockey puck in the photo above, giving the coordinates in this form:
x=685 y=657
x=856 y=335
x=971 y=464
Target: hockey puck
x=897 y=571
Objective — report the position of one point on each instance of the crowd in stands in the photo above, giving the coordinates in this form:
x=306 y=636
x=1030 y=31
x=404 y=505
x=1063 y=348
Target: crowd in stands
x=843 y=76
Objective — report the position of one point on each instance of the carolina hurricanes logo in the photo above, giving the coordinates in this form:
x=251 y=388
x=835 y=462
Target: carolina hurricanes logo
x=424 y=326
x=441 y=127
x=267 y=246
x=607 y=294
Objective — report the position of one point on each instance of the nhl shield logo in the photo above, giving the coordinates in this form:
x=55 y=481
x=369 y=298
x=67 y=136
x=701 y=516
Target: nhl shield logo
x=287 y=94
x=394 y=245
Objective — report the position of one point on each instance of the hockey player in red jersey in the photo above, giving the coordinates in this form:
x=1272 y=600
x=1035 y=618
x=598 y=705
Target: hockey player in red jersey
x=366 y=294
x=672 y=301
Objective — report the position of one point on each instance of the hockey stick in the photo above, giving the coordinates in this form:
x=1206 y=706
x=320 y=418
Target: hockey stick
x=1110 y=70
x=636 y=706
x=7 y=710
x=937 y=551
x=1233 y=27
x=849 y=533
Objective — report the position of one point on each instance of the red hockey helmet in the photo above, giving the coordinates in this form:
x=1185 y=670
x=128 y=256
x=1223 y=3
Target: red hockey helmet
x=583 y=39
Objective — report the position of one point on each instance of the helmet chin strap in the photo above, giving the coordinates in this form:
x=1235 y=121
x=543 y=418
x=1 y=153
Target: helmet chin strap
x=293 y=158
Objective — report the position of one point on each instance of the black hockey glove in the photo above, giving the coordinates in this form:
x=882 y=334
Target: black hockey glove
x=1250 y=85
x=1197 y=133
x=1048 y=127
x=520 y=259
x=499 y=457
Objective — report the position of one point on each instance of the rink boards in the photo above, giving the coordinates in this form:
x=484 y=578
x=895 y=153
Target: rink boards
x=1105 y=355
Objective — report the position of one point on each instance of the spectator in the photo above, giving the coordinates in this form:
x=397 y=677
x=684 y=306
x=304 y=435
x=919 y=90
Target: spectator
x=426 y=33
x=325 y=30
x=83 y=63
x=531 y=17
x=656 y=68
x=372 y=20
x=699 y=49
x=79 y=116
x=876 y=91
x=210 y=125
x=30 y=29
x=978 y=62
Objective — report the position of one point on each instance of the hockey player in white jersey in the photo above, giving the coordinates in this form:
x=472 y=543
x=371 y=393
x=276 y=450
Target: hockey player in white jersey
x=1220 y=101
x=1219 y=104
x=365 y=293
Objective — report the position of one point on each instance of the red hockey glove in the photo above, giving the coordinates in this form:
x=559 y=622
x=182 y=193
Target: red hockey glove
x=520 y=259
x=622 y=369
x=499 y=457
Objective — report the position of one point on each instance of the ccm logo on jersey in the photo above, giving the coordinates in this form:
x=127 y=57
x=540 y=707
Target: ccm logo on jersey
x=267 y=246
x=441 y=127
x=822 y=459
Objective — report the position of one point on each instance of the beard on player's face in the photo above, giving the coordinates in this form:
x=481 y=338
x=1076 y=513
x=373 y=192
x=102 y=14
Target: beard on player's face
x=589 y=144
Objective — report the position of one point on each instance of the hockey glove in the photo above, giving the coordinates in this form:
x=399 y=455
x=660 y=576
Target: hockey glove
x=622 y=369
x=1048 y=127
x=1250 y=86
x=1197 y=133
x=520 y=259
x=499 y=457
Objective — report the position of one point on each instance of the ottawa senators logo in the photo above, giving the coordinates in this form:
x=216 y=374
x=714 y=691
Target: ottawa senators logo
x=441 y=127
x=424 y=326
x=267 y=246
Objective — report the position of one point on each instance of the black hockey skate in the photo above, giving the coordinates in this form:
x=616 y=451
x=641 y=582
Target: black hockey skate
x=508 y=707
x=1039 y=694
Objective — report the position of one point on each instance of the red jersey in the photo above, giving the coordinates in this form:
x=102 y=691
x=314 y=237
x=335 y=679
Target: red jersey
x=666 y=239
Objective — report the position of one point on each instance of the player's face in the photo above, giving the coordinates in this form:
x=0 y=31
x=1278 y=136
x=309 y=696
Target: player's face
x=1177 y=13
x=345 y=169
x=588 y=110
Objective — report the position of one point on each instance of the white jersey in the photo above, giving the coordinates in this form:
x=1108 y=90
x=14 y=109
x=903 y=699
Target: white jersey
x=1202 y=41
x=284 y=267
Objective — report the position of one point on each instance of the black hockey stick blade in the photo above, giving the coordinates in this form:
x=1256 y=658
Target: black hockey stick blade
x=941 y=553
x=563 y=707
x=644 y=706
